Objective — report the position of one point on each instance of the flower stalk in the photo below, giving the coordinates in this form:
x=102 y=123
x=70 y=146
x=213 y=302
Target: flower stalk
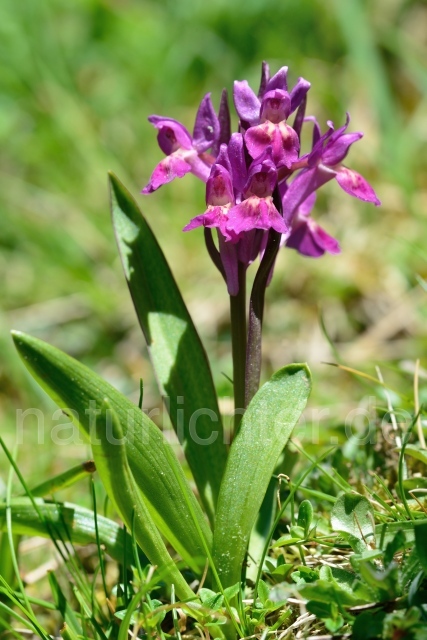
x=239 y=343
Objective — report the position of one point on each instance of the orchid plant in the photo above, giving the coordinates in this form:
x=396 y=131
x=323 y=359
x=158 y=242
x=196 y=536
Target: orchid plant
x=260 y=192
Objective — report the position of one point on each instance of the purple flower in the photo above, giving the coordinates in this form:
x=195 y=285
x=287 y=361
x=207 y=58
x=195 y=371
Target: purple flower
x=185 y=153
x=306 y=236
x=264 y=118
x=250 y=107
x=257 y=210
x=323 y=164
x=219 y=200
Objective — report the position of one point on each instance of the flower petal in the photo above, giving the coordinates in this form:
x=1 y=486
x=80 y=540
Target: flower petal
x=206 y=127
x=305 y=208
x=246 y=102
x=290 y=146
x=279 y=80
x=168 y=169
x=214 y=217
x=356 y=185
x=224 y=124
x=236 y=154
x=172 y=134
x=298 y=93
x=309 y=239
x=335 y=151
x=265 y=77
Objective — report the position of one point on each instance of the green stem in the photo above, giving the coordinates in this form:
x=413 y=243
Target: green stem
x=256 y=312
x=238 y=340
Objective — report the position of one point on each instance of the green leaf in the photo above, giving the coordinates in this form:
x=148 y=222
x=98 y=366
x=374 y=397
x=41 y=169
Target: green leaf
x=65 y=521
x=421 y=544
x=281 y=571
x=352 y=514
x=304 y=574
x=305 y=516
x=109 y=451
x=369 y=624
x=385 y=582
x=394 y=546
x=264 y=431
x=177 y=354
x=263 y=591
x=323 y=591
x=156 y=470
x=320 y=609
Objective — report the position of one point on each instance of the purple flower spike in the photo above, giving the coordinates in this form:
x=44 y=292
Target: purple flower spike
x=185 y=153
x=243 y=170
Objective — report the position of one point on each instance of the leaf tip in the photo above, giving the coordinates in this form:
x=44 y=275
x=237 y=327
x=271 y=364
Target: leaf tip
x=18 y=338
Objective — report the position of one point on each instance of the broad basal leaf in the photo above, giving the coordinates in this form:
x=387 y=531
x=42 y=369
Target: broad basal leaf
x=264 y=431
x=156 y=470
x=178 y=357
x=109 y=451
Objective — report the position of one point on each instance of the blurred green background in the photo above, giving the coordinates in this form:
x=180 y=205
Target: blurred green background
x=77 y=82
